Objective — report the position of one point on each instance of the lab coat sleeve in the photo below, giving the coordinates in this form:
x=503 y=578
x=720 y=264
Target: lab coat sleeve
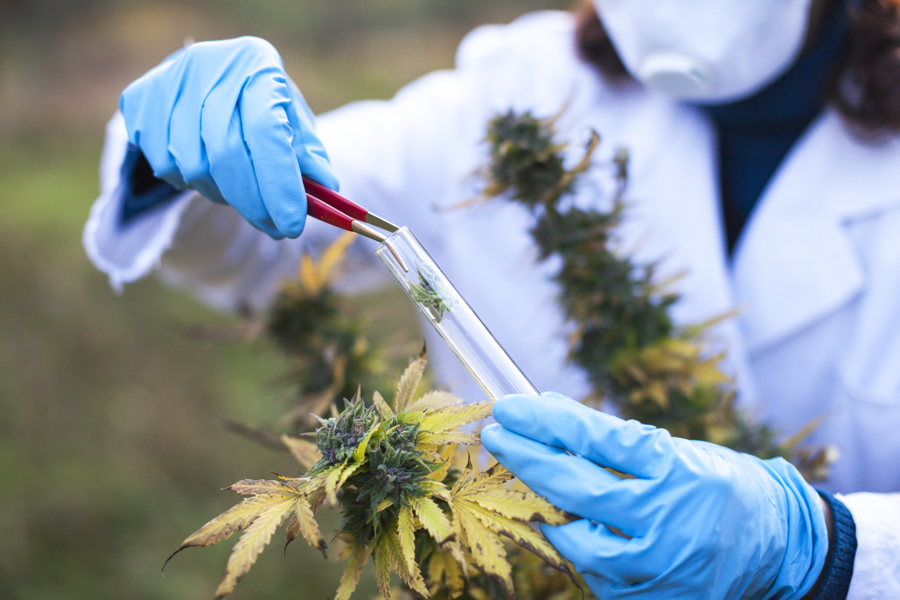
x=876 y=568
x=397 y=157
x=194 y=243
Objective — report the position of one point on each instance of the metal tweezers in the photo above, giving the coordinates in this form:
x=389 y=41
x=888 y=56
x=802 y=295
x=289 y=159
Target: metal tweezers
x=330 y=207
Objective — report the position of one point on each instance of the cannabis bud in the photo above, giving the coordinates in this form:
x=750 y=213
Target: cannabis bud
x=431 y=293
x=395 y=467
x=339 y=436
x=524 y=159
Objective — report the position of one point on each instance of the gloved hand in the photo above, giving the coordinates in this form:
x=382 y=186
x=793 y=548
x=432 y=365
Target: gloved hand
x=704 y=521
x=224 y=119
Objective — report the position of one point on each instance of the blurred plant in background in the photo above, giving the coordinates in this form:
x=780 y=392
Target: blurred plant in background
x=410 y=496
x=624 y=339
x=108 y=446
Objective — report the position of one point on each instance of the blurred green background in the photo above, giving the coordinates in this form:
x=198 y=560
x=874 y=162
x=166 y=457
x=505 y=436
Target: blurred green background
x=109 y=450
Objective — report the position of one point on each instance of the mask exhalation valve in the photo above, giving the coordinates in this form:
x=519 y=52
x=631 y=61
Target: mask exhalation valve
x=676 y=75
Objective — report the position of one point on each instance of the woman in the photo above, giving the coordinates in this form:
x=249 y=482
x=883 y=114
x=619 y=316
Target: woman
x=779 y=115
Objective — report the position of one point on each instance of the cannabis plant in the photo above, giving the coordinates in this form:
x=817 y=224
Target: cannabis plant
x=328 y=351
x=389 y=469
x=624 y=339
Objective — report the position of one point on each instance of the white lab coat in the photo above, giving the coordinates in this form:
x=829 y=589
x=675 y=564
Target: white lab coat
x=816 y=273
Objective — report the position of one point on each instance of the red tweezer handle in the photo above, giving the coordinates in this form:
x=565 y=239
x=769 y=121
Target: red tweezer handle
x=335 y=200
x=317 y=209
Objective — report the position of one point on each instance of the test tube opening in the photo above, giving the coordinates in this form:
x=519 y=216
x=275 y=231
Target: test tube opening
x=451 y=316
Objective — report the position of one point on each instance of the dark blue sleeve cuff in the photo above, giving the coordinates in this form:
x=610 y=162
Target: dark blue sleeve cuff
x=838 y=570
x=139 y=189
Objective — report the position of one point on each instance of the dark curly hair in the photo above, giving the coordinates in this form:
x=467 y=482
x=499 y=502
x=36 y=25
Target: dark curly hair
x=866 y=82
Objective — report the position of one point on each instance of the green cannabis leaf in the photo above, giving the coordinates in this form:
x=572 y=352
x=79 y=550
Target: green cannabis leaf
x=431 y=293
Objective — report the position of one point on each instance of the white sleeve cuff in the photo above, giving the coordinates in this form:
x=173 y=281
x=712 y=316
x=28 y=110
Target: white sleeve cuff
x=127 y=253
x=876 y=568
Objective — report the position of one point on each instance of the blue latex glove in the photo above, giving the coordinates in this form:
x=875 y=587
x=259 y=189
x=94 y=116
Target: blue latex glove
x=224 y=119
x=704 y=521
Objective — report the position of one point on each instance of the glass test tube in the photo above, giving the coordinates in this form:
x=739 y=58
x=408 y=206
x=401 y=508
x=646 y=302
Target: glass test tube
x=436 y=298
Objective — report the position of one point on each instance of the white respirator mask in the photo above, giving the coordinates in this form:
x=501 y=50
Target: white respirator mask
x=708 y=51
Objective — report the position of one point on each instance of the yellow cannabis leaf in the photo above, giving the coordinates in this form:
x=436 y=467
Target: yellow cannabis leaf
x=519 y=505
x=443 y=570
x=307 y=526
x=382 y=406
x=253 y=541
x=408 y=383
x=433 y=400
x=432 y=518
x=459 y=438
x=482 y=508
x=314 y=275
x=454 y=417
x=406 y=535
x=305 y=452
x=486 y=548
x=238 y=517
x=352 y=573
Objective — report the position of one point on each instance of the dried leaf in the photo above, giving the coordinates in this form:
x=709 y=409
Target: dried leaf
x=307 y=525
x=392 y=555
x=521 y=533
x=305 y=452
x=350 y=578
x=293 y=530
x=463 y=480
x=263 y=487
x=521 y=506
x=408 y=384
x=443 y=569
x=412 y=577
x=432 y=518
x=453 y=417
x=222 y=527
x=309 y=275
x=254 y=539
x=457 y=438
x=487 y=549
x=348 y=472
x=434 y=400
x=435 y=489
x=406 y=534
x=315 y=274
x=385 y=563
x=490 y=479
x=382 y=406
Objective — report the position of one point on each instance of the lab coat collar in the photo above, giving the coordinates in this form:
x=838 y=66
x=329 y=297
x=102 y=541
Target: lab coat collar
x=795 y=263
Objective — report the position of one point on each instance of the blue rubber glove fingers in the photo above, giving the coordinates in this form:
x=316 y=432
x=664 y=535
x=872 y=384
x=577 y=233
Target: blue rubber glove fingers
x=552 y=419
x=269 y=137
x=705 y=521
x=310 y=150
x=223 y=118
x=573 y=483
x=611 y=559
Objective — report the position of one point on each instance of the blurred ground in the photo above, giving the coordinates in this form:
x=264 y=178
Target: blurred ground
x=109 y=454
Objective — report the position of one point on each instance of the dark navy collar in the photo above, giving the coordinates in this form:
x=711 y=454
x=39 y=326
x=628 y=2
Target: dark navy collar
x=798 y=95
x=756 y=133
